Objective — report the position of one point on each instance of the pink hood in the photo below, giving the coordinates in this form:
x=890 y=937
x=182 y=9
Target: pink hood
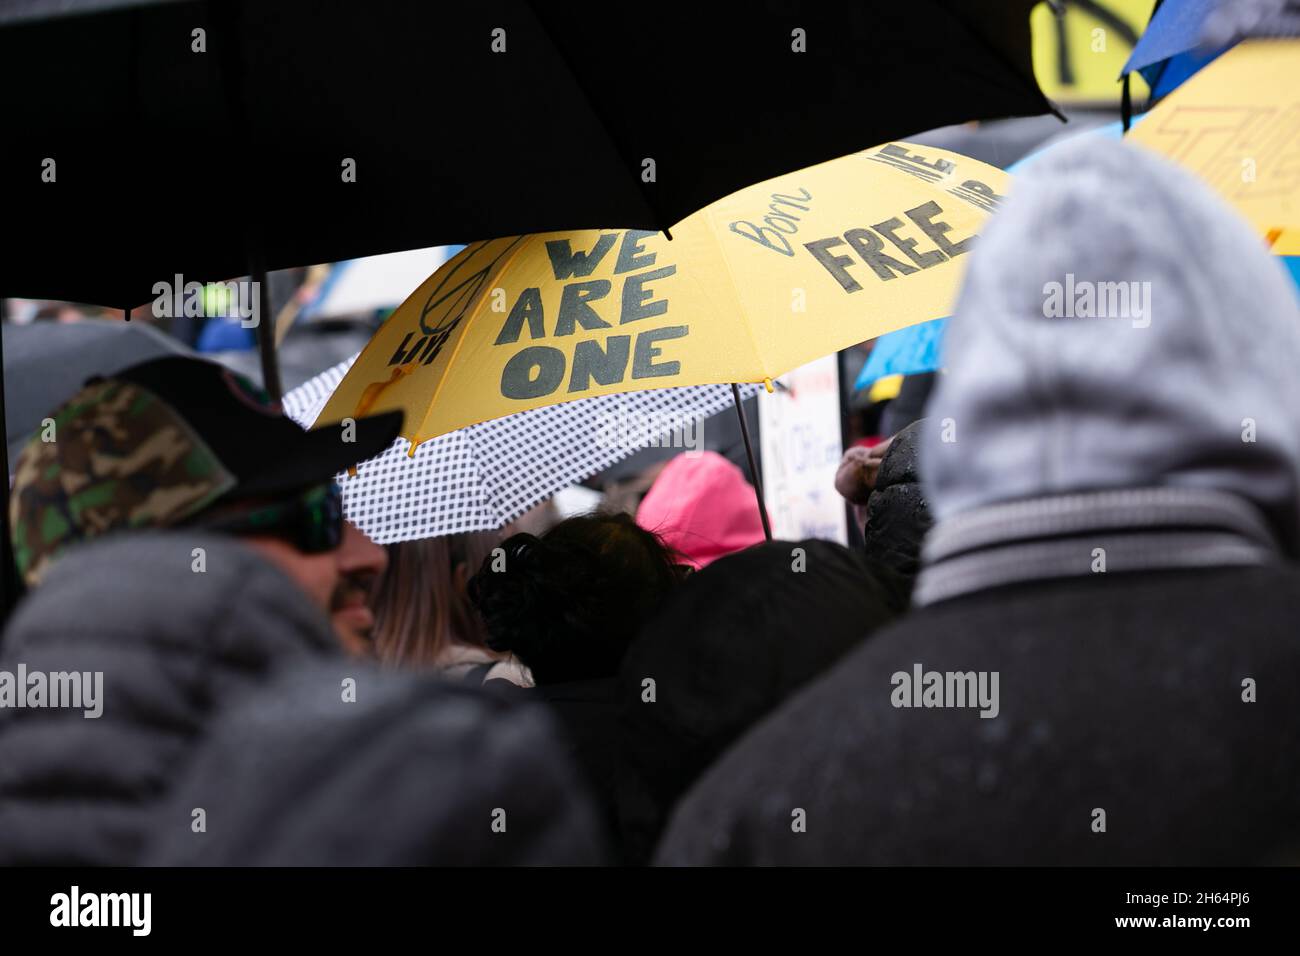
x=702 y=506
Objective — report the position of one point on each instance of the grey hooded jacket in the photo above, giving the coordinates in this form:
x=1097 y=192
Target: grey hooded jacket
x=1188 y=379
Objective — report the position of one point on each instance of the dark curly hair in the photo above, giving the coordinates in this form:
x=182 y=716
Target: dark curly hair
x=569 y=603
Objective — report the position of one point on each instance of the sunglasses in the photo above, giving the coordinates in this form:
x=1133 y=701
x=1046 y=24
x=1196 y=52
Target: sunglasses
x=312 y=521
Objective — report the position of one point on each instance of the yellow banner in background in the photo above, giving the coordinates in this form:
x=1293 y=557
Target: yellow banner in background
x=1236 y=124
x=1078 y=57
x=754 y=285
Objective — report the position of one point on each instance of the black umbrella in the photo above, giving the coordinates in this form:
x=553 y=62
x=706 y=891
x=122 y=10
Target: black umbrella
x=464 y=121
x=153 y=142
x=45 y=363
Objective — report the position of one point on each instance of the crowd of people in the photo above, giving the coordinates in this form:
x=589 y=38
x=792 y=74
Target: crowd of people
x=1069 y=635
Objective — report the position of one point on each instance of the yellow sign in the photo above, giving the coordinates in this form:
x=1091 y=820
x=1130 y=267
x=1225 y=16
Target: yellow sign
x=1078 y=56
x=1236 y=124
x=748 y=288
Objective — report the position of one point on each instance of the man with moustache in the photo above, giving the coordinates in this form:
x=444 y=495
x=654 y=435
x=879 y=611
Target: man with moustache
x=186 y=541
x=177 y=443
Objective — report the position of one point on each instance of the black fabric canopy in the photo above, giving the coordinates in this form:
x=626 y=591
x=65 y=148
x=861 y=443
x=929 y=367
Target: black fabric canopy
x=212 y=164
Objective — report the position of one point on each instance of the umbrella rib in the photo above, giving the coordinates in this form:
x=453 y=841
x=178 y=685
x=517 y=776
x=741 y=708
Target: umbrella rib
x=1029 y=81
x=455 y=350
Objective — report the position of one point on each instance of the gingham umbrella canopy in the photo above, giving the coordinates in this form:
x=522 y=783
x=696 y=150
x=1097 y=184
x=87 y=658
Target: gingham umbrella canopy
x=481 y=477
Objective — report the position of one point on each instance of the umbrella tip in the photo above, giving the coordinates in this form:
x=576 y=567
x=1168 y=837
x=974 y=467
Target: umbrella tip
x=668 y=233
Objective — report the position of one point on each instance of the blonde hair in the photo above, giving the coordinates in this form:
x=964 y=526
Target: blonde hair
x=420 y=609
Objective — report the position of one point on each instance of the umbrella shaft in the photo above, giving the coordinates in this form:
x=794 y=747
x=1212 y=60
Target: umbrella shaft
x=753 y=467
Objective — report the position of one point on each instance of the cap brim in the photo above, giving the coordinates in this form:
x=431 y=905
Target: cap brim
x=319 y=454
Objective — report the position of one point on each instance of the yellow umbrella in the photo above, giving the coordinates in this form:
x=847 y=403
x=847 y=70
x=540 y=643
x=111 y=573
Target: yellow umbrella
x=746 y=289
x=1236 y=124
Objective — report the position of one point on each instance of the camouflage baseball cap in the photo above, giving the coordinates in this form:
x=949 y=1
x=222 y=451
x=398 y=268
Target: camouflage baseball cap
x=157 y=444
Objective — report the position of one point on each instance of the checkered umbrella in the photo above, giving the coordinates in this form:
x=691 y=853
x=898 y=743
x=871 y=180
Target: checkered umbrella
x=486 y=475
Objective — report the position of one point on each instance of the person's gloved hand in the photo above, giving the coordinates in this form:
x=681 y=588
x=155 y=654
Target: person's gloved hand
x=858 y=469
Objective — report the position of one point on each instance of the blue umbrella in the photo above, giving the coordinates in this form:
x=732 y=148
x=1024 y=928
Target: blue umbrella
x=1169 y=51
x=905 y=352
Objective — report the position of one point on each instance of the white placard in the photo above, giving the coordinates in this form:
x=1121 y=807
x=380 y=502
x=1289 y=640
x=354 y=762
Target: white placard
x=800 y=446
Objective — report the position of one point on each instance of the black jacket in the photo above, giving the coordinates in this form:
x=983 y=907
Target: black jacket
x=898 y=517
x=586 y=719
x=736 y=640
x=175 y=646
x=1118 y=692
